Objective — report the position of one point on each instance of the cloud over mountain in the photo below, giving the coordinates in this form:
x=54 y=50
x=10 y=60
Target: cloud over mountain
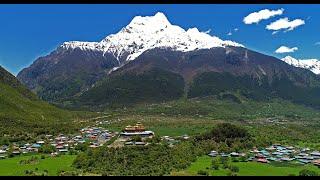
x=256 y=17
x=285 y=49
x=285 y=24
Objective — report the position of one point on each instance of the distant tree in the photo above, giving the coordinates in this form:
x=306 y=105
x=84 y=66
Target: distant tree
x=223 y=147
x=4 y=141
x=215 y=163
x=203 y=173
x=47 y=149
x=306 y=172
x=82 y=147
x=234 y=169
x=225 y=162
x=10 y=151
x=234 y=159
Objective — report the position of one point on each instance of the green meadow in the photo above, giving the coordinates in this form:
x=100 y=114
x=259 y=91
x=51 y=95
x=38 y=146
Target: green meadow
x=246 y=168
x=12 y=166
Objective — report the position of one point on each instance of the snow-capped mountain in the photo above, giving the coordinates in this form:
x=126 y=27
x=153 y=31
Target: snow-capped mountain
x=152 y=60
x=310 y=64
x=144 y=33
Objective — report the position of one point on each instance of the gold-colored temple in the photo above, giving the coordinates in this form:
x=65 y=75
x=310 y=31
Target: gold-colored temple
x=139 y=127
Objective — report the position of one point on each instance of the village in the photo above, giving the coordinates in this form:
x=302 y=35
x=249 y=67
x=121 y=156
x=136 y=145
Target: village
x=94 y=136
x=137 y=135
x=276 y=153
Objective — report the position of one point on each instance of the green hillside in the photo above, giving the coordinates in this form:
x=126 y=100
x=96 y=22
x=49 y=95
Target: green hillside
x=22 y=114
x=153 y=86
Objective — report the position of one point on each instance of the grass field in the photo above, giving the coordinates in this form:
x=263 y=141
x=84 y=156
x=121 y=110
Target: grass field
x=246 y=169
x=12 y=166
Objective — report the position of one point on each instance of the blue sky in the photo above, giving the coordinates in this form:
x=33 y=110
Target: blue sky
x=30 y=31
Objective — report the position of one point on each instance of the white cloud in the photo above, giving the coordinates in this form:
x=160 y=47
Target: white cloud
x=236 y=29
x=274 y=32
x=256 y=17
x=229 y=34
x=285 y=49
x=285 y=24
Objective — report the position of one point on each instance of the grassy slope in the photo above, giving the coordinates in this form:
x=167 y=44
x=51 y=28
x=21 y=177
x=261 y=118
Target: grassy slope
x=11 y=166
x=21 y=112
x=245 y=169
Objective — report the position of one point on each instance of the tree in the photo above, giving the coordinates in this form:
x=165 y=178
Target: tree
x=82 y=147
x=234 y=169
x=223 y=147
x=306 y=172
x=225 y=162
x=203 y=173
x=4 y=141
x=47 y=149
x=10 y=151
x=215 y=163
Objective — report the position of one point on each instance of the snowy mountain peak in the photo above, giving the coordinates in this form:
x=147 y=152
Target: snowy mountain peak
x=310 y=64
x=148 y=32
x=159 y=20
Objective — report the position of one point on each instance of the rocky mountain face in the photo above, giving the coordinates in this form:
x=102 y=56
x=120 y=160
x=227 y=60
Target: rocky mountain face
x=151 y=60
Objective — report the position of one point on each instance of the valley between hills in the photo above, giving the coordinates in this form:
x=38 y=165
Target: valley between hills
x=155 y=99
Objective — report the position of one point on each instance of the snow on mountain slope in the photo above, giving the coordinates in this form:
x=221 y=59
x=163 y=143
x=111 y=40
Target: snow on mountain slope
x=144 y=33
x=310 y=64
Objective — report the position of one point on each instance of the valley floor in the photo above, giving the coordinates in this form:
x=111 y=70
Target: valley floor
x=53 y=165
x=245 y=168
x=273 y=122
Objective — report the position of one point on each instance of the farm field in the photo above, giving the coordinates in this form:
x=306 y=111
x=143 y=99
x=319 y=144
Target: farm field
x=12 y=166
x=246 y=168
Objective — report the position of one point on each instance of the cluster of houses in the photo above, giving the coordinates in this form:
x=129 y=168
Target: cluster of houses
x=277 y=153
x=96 y=136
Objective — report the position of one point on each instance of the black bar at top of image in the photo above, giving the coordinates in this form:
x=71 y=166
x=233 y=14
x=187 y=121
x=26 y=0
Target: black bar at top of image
x=160 y=1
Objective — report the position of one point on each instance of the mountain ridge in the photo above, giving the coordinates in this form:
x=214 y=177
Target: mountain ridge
x=164 y=55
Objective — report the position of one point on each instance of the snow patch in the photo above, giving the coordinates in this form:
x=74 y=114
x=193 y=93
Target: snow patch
x=144 y=33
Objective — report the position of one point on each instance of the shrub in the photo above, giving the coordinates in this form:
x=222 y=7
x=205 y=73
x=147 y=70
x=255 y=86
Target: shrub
x=306 y=172
x=234 y=169
x=215 y=164
x=203 y=173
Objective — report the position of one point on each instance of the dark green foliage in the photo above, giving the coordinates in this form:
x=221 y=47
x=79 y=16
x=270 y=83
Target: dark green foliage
x=228 y=133
x=215 y=163
x=10 y=80
x=306 y=172
x=225 y=161
x=32 y=160
x=151 y=86
x=23 y=116
x=149 y=160
x=203 y=173
x=47 y=149
x=212 y=83
x=82 y=147
x=229 y=97
x=234 y=169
